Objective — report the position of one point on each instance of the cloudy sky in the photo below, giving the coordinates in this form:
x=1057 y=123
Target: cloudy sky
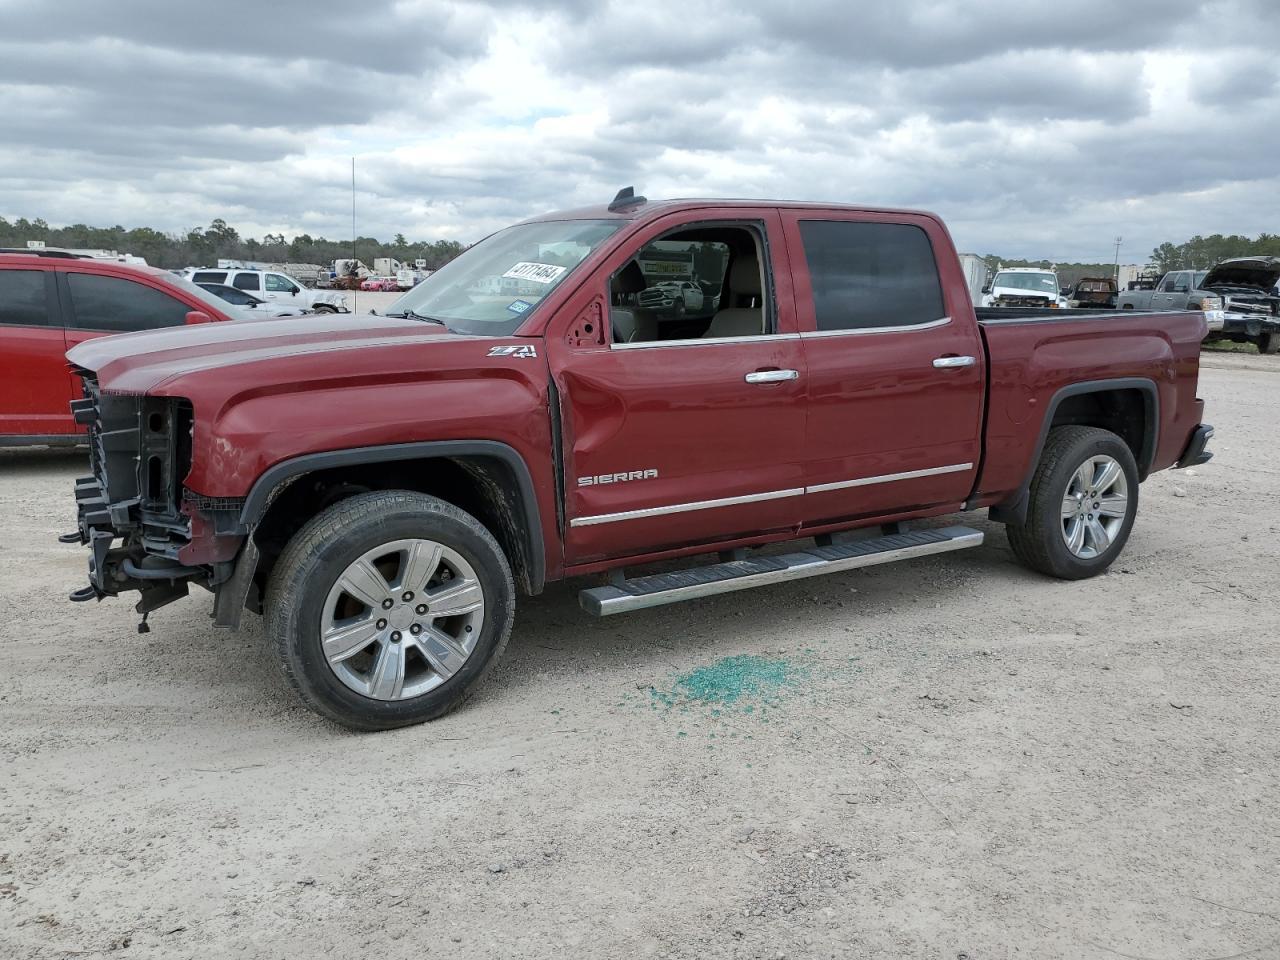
x=1036 y=128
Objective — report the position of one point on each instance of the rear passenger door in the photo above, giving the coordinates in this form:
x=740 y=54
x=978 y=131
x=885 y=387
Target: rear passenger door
x=35 y=394
x=895 y=365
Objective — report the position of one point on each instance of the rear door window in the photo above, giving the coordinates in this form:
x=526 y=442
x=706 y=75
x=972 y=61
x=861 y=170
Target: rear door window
x=209 y=276
x=869 y=275
x=22 y=298
x=247 y=281
x=114 y=303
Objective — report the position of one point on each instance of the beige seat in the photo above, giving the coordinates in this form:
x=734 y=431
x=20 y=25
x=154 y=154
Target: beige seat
x=745 y=287
x=630 y=324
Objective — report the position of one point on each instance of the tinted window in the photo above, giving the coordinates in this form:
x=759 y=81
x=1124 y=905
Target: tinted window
x=22 y=298
x=113 y=303
x=247 y=281
x=868 y=275
x=209 y=276
x=279 y=284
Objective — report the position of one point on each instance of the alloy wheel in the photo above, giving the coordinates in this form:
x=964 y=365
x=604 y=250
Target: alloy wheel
x=402 y=619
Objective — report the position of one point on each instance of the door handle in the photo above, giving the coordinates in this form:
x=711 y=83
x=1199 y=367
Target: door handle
x=945 y=363
x=772 y=376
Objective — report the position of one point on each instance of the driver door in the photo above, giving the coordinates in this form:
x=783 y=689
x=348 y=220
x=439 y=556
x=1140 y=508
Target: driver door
x=684 y=435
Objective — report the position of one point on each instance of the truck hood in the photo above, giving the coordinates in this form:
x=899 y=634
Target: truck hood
x=141 y=362
x=1258 y=273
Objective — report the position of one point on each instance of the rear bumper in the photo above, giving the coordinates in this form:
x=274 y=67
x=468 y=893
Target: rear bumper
x=1196 y=454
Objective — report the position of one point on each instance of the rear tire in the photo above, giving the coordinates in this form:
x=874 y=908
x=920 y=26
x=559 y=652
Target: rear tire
x=325 y=308
x=437 y=610
x=1082 y=504
x=1269 y=342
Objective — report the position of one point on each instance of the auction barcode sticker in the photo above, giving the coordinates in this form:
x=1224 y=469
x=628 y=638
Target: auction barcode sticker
x=537 y=272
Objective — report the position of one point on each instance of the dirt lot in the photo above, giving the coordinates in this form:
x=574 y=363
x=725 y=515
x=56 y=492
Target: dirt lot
x=941 y=759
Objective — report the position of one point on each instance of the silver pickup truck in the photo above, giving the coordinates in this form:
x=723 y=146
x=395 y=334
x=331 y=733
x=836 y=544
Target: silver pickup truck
x=1236 y=296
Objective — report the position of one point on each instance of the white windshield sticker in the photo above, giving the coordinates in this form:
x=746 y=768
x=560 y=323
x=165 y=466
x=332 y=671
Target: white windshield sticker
x=537 y=272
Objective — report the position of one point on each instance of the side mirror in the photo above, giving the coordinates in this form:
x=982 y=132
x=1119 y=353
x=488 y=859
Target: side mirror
x=986 y=287
x=197 y=316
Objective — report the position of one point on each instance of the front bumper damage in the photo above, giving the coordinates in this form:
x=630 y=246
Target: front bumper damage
x=1250 y=325
x=146 y=532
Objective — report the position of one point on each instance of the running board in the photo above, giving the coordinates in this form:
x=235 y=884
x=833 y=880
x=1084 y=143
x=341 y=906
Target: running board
x=661 y=588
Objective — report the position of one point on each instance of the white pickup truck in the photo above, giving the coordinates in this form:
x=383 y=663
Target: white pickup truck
x=278 y=288
x=1023 y=287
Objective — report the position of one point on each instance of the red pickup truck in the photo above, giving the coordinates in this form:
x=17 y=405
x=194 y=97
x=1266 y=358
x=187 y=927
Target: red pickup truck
x=380 y=488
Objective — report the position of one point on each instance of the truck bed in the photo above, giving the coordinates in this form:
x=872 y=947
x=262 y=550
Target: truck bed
x=1034 y=354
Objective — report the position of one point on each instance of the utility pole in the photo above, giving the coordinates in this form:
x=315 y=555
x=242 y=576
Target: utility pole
x=1116 y=275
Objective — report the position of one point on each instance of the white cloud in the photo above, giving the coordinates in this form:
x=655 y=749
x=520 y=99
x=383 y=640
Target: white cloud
x=1033 y=129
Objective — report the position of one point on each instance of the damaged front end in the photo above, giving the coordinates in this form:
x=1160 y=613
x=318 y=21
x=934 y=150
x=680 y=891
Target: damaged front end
x=145 y=531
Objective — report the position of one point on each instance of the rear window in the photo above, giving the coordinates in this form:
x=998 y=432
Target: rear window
x=22 y=299
x=113 y=303
x=868 y=275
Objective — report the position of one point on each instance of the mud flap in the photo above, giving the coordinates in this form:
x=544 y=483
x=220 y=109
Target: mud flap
x=228 y=606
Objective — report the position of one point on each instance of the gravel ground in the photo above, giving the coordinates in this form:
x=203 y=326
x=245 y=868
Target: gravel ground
x=945 y=758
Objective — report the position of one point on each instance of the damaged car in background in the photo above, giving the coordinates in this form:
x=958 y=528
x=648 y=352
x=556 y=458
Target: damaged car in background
x=1251 y=307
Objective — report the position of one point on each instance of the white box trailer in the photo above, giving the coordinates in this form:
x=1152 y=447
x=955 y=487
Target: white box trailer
x=975 y=275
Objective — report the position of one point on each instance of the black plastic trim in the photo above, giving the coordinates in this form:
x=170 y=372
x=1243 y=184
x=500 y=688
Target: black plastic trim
x=1014 y=510
x=255 y=504
x=1196 y=454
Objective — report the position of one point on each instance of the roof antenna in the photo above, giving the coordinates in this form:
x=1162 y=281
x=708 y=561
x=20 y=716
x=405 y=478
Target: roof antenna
x=626 y=198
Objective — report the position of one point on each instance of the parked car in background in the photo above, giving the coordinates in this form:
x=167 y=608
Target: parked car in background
x=247 y=301
x=1250 y=301
x=51 y=302
x=1178 y=290
x=1023 y=287
x=1098 y=292
x=380 y=284
x=276 y=288
x=676 y=297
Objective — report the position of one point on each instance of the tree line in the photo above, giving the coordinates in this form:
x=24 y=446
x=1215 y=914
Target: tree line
x=204 y=246
x=200 y=247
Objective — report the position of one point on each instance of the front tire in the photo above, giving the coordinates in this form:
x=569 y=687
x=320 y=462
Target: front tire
x=389 y=609
x=1269 y=342
x=1083 y=501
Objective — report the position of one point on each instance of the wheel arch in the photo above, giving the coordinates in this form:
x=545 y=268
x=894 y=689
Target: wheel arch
x=1130 y=403
x=488 y=479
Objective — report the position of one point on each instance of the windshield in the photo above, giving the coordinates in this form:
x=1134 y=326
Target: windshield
x=1039 y=282
x=491 y=288
x=200 y=293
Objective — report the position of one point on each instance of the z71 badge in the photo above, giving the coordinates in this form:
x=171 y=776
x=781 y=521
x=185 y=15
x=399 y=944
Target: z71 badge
x=523 y=352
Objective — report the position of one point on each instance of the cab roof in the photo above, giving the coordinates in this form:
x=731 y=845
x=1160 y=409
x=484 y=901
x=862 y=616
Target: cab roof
x=644 y=209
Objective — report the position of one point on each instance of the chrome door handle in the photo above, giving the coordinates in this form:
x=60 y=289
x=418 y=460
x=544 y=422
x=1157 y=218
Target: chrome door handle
x=772 y=376
x=943 y=363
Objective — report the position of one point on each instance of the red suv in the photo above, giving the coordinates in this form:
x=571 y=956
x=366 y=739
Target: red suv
x=49 y=302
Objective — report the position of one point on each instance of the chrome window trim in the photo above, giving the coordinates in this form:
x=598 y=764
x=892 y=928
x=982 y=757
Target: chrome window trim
x=699 y=341
x=684 y=507
x=862 y=331
x=889 y=478
x=759 y=497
